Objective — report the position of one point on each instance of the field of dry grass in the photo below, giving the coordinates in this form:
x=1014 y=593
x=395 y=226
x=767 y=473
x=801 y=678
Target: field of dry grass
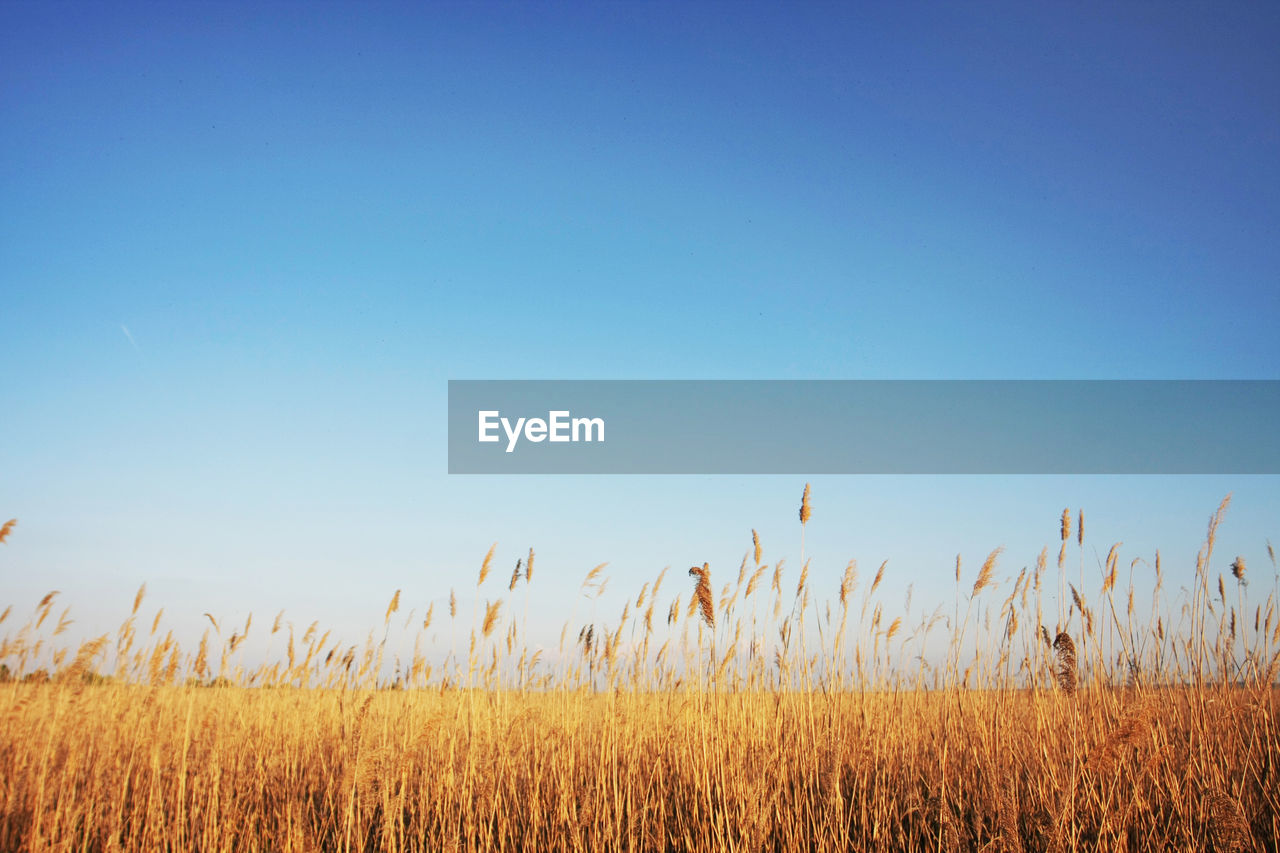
x=753 y=716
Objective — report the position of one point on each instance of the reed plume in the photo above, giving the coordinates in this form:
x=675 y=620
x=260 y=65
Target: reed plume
x=1228 y=829
x=488 y=562
x=490 y=617
x=1066 y=650
x=984 y=574
x=1135 y=726
x=702 y=593
x=878 y=578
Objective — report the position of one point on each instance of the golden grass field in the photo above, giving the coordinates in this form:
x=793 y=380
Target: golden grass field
x=755 y=716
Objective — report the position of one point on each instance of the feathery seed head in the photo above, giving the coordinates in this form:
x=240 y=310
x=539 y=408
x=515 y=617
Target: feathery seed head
x=490 y=617
x=702 y=594
x=984 y=574
x=1066 y=650
x=488 y=561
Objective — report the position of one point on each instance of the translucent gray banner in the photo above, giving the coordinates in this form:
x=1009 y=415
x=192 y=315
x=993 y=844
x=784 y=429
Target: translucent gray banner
x=864 y=427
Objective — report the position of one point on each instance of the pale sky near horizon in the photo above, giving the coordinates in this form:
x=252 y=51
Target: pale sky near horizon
x=243 y=247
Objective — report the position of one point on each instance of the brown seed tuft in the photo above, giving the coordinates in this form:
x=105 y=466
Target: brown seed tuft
x=1066 y=650
x=1228 y=829
x=1008 y=816
x=702 y=593
x=1133 y=728
x=947 y=832
x=805 y=509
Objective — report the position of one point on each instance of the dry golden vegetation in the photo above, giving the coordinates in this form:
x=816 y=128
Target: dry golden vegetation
x=750 y=717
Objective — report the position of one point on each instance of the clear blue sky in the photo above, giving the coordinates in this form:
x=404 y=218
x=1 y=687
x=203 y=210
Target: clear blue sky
x=244 y=246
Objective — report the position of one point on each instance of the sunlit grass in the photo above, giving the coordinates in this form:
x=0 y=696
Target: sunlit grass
x=753 y=716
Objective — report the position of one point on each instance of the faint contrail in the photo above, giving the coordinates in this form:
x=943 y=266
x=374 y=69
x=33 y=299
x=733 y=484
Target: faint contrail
x=125 y=329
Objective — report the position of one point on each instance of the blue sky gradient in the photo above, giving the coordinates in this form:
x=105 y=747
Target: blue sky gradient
x=244 y=246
